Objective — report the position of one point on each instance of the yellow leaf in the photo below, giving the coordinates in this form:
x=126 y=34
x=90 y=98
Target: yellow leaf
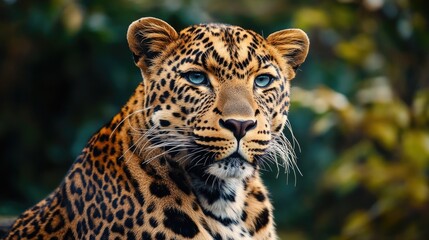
x=418 y=190
x=357 y=224
x=415 y=146
x=356 y=50
x=307 y=18
x=383 y=132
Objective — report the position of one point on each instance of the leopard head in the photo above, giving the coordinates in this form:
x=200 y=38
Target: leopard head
x=216 y=95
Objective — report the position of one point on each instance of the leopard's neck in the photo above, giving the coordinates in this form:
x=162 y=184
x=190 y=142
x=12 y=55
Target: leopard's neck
x=223 y=199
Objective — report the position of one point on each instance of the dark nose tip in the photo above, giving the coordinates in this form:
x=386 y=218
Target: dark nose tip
x=239 y=128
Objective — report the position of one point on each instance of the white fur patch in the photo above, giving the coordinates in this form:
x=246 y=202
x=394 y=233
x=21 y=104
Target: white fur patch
x=231 y=168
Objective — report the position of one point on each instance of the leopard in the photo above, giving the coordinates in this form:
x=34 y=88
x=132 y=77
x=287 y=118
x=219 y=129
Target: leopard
x=182 y=158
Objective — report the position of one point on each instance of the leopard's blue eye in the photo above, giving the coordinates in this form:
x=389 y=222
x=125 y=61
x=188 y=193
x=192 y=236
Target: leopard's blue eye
x=197 y=78
x=263 y=80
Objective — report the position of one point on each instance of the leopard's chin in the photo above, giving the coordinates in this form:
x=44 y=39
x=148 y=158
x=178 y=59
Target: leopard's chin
x=231 y=167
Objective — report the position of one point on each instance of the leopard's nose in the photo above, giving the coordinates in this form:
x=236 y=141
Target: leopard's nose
x=237 y=127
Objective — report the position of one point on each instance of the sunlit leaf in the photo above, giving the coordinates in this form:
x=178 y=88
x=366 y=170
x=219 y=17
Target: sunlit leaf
x=73 y=16
x=324 y=123
x=377 y=173
x=383 y=132
x=419 y=191
x=421 y=108
x=357 y=224
x=307 y=18
x=415 y=146
x=355 y=50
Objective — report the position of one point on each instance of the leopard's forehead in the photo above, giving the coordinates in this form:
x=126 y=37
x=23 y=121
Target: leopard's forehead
x=217 y=30
x=230 y=51
x=232 y=37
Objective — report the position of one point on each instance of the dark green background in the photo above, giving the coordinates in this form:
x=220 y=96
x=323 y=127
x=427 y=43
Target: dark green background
x=360 y=109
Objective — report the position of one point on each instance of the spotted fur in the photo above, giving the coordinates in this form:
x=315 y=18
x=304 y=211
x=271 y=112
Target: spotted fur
x=181 y=159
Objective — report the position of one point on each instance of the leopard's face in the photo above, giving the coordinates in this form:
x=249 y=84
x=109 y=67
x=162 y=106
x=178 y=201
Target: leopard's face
x=217 y=95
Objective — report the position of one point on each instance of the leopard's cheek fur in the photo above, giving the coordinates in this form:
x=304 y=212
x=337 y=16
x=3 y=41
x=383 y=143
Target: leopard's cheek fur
x=280 y=107
x=175 y=111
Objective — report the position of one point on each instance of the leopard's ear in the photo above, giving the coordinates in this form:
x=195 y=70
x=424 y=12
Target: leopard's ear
x=292 y=44
x=147 y=38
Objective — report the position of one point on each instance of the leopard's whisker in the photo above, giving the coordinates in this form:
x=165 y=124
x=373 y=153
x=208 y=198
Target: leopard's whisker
x=127 y=117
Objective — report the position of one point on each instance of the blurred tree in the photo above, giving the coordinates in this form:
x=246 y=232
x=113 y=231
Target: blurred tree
x=360 y=106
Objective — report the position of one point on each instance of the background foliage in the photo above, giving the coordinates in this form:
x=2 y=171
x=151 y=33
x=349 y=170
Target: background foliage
x=360 y=106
